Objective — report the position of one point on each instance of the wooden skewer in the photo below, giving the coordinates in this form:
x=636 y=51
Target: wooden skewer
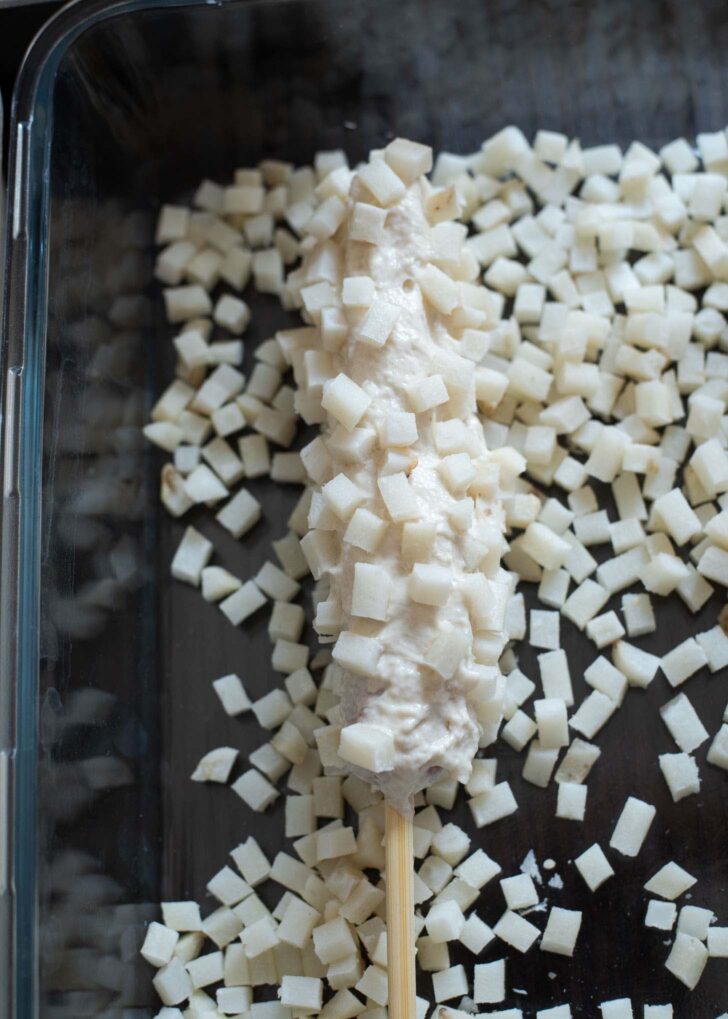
x=400 y=914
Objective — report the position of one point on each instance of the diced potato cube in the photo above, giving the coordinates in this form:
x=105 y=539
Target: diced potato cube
x=409 y=160
x=430 y=584
x=370 y=591
x=381 y=180
x=632 y=826
x=427 y=394
x=357 y=291
x=367 y=223
x=594 y=867
x=399 y=499
x=367 y=746
x=343 y=496
x=345 y=401
x=358 y=653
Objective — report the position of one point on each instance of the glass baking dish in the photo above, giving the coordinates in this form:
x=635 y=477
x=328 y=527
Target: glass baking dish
x=106 y=664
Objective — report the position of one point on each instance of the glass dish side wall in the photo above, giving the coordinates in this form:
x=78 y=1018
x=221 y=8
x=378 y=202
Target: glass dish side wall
x=131 y=103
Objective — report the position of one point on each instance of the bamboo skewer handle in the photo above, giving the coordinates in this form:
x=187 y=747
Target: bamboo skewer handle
x=400 y=915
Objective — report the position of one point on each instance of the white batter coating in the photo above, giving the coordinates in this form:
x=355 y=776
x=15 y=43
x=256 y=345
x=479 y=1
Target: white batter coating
x=434 y=721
